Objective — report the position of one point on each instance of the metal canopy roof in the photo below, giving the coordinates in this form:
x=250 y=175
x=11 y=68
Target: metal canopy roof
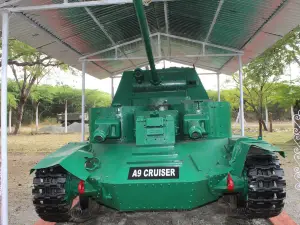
x=182 y=31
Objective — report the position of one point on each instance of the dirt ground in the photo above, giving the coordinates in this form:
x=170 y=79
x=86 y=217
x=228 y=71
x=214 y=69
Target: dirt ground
x=26 y=150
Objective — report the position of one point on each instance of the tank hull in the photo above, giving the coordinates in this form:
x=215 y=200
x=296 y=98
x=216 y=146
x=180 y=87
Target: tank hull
x=184 y=176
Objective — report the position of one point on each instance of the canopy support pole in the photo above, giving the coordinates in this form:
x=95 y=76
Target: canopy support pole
x=4 y=186
x=66 y=116
x=167 y=26
x=83 y=102
x=218 y=84
x=242 y=120
x=112 y=88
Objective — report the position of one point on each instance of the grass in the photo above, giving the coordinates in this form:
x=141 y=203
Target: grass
x=282 y=136
x=45 y=143
x=40 y=143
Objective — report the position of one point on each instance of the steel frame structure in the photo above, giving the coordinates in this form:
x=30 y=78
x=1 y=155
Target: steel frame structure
x=5 y=33
x=116 y=48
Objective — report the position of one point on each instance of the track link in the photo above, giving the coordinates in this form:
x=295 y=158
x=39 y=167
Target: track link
x=266 y=186
x=49 y=195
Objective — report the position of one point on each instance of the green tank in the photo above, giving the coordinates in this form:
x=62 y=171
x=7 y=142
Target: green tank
x=162 y=145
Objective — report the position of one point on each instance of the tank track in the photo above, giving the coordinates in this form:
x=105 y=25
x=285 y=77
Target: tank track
x=266 y=186
x=49 y=195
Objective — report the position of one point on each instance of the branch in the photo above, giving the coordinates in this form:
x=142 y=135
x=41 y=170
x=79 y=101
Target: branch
x=253 y=107
x=34 y=63
x=15 y=75
x=24 y=81
x=23 y=64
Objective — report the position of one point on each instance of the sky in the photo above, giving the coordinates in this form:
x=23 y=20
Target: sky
x=209 y=81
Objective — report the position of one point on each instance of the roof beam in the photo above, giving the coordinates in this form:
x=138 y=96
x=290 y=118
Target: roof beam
x=67 y=4
x=200 y=74
x=167 y=25
x=201 y=42
x=99 y=25
x=114 y=47
x=233 y=51
x=24 y=17
x=9 y=3
x=129 y=68
x=214 y=20
x=211 y=26
x=158 y=57
x=104 y=31
x=199 y=65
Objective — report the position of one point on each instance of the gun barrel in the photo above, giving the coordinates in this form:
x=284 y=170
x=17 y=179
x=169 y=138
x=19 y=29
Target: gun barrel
x=138 y=4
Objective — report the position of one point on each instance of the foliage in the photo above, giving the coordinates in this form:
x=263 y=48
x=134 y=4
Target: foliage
x=11 y=100
x=213 y=95
x=52 y=99
x=285 y=95
x=28 y=66
x=229 y=95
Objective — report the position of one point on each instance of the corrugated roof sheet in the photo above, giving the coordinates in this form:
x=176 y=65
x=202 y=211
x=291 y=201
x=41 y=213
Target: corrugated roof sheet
x=68 y=34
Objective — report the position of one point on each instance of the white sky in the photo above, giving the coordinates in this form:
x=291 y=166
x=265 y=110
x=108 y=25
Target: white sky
x=209 y=81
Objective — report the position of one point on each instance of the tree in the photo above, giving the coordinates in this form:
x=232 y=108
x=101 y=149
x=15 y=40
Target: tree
x=95 y=98
x=41 y=94
x=29 y=67
x=260 y=75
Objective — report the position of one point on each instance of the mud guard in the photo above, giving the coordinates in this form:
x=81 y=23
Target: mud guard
x=71 y=157
x=241 y=147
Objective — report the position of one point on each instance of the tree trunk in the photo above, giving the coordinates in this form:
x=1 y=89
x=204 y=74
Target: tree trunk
x=264 y=125
x=271 y=122
x=260 y=127
x=20 y=112
x=267 y=114
x=261 y=121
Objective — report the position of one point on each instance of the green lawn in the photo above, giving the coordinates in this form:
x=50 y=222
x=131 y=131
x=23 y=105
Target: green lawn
x=282 y=139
